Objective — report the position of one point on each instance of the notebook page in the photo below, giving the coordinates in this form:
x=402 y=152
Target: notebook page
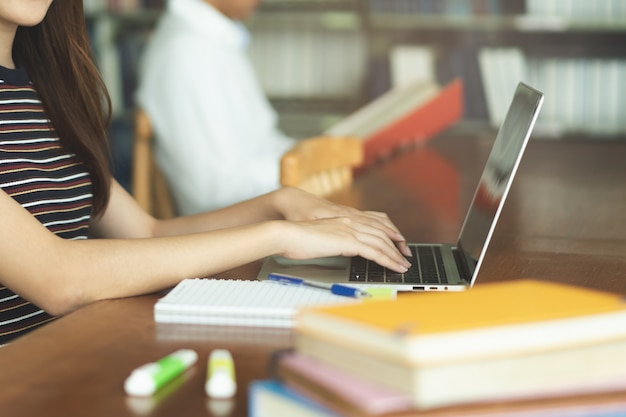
x=239 y=302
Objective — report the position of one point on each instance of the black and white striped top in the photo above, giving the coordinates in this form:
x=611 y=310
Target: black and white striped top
x=47 y=181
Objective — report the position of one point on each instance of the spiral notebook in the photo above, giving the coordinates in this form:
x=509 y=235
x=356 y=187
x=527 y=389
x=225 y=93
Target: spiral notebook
x=240 y=302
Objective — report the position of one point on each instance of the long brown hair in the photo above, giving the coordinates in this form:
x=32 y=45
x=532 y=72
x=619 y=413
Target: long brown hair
x=57 y=56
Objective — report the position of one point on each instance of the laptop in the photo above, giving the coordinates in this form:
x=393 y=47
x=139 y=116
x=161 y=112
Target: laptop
x=440 y=266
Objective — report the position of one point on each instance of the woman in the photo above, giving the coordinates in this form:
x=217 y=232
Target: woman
x=57 y=191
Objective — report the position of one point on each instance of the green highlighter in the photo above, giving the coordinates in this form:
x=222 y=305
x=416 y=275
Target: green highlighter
x=147 y=379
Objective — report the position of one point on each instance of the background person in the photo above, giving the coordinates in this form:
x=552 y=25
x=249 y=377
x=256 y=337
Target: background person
x=216 y=134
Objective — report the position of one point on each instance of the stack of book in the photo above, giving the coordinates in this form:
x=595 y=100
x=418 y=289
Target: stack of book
x=522 y=347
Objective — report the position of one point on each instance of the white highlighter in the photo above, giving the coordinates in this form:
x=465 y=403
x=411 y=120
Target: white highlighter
x=220 y=381
x=147 y=379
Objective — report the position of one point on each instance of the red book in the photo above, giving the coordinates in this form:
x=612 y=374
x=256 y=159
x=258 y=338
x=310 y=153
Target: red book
x=403 y=115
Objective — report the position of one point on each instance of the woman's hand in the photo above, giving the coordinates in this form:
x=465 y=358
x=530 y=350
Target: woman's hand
x=299 y=206
x=344 y=235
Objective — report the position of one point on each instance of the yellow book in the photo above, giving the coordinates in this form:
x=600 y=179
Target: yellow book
x=492 y=319
x=510 y=339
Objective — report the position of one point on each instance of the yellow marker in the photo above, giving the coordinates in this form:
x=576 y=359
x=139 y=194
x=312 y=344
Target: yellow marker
x=381 y=293
x=220 y=382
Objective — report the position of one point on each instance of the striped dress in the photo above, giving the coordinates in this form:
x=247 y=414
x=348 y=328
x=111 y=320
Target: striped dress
x=47 y=181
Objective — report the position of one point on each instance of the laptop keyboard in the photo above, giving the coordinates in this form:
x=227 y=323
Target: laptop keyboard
x=426 y=268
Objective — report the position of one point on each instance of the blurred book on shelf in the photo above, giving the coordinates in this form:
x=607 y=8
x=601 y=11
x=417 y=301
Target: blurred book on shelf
x=307 y=61
x=410 y=63
x=597 y=10
x=449 y=7
x=121 y=6
x=583 y=95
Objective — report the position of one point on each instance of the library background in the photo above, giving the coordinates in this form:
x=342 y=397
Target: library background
x=320 y=60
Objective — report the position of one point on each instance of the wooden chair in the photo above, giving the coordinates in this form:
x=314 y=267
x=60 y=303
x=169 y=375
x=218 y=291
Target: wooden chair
x=150 y=188
x=321 y=165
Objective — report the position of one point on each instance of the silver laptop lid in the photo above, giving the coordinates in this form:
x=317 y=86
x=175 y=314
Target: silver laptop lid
x=497 y=176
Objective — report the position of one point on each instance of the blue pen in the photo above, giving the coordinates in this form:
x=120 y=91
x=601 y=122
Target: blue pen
x=336 y=289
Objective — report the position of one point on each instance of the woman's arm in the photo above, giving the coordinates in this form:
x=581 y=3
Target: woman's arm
x=125 y=219
x=61 y=275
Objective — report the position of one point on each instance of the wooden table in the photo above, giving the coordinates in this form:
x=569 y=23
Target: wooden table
x=565 y=220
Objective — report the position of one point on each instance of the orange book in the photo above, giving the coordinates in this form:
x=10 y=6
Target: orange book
x=510 y=339
x=403 y=115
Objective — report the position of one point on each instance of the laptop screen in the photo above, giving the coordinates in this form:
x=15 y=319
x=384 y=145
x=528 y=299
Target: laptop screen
x=498 y=175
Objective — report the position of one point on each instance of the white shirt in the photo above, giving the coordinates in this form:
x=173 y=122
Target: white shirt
x=217 y=140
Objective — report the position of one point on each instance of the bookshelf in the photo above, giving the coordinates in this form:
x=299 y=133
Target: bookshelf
x=319 y=60
x=574 y=51
x=311 y=59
